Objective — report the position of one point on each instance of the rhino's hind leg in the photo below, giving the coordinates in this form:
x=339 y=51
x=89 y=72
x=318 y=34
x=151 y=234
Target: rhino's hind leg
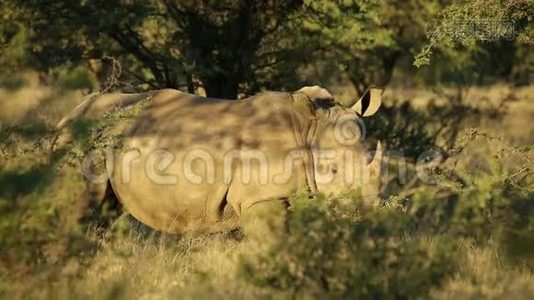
x=99 y=207
x=265 y=220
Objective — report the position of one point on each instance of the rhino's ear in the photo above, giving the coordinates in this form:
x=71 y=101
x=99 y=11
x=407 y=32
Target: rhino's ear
x=317 y=94
x=369 y=103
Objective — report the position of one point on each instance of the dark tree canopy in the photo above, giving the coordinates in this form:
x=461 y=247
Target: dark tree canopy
x=236 y=47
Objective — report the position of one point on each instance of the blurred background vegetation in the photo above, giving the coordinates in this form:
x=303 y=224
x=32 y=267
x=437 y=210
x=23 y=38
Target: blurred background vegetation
x=459 y=80
x=232 y=48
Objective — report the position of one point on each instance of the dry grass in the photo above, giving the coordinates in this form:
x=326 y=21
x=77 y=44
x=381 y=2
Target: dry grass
x=143 y=267
x=34 y=101
x=485 y=275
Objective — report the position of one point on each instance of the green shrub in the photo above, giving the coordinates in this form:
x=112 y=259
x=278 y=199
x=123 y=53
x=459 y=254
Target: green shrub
x=486 y=196
x=344 y=248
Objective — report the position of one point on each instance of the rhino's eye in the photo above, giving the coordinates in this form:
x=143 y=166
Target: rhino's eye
x=334 y=168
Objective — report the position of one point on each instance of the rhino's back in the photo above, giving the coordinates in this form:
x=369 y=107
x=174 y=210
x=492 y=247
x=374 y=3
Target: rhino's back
x=176 y=171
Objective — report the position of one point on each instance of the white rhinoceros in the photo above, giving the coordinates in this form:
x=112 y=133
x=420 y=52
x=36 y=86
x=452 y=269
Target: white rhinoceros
x=190 y=164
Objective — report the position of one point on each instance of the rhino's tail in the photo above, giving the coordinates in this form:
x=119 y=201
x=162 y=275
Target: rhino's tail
x=77 y=111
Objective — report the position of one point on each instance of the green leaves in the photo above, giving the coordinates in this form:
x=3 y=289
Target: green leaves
x=340 y=247
x=470 y=25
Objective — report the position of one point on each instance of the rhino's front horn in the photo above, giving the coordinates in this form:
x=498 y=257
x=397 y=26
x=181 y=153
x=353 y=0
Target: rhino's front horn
x=369 y=103
x=375 y=164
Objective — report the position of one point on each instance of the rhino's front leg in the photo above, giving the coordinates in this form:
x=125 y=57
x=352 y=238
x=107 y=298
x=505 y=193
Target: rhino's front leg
x=265 y=220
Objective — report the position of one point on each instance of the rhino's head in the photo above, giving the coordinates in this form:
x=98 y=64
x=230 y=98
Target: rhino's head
x=340 y=159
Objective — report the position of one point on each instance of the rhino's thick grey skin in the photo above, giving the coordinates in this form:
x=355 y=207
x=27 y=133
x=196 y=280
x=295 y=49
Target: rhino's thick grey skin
x=191 y=164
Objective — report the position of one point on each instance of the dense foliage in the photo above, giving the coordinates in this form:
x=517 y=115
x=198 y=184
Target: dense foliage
x=231 y=48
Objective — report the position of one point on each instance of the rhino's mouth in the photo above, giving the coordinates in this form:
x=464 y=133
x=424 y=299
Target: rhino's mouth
x=339 y=170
